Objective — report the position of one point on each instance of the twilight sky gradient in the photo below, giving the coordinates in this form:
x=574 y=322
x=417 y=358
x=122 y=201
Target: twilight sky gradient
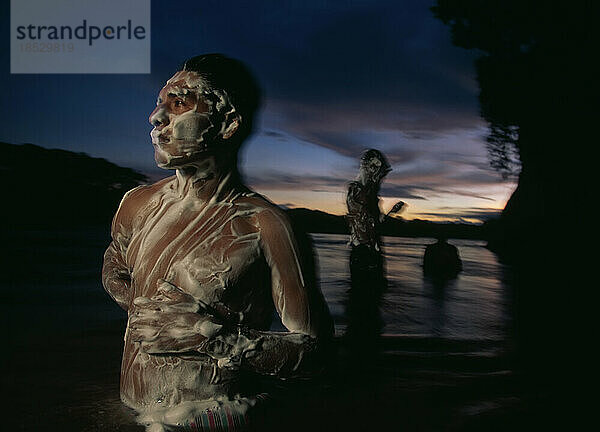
x=338 y=77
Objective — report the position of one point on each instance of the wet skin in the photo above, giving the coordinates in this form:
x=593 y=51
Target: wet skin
x=200 y=262
x=170 y=104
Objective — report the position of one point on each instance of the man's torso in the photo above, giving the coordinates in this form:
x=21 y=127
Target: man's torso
x=211 y=251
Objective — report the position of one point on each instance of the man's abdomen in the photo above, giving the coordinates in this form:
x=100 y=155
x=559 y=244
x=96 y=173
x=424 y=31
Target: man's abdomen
x=155 y=381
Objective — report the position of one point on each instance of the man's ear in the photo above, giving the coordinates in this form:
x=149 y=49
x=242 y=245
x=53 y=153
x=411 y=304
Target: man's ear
x=232 y=123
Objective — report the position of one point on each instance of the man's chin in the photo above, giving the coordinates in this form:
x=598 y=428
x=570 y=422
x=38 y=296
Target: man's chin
x=165 y=165
x=166 y=161
x=163 y=159
x=170 y=163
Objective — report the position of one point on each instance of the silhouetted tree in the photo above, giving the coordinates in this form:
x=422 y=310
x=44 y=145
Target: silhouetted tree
x=535 y=76
x=534 y=80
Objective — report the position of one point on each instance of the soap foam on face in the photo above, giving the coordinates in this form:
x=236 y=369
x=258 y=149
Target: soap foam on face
x=189 y=126
x=187 y=133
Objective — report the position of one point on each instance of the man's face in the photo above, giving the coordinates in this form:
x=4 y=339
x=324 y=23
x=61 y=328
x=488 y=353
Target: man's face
x=181 y=120
x=374 y=170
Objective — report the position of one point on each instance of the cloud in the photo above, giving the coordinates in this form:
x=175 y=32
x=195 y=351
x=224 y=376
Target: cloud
x=462 y=214
x=343 y=129
x=340 y=76
x=464 y=193
x=286 y=206
x=385 y=50
x=376 y=66
x=274 y=134
x=276 y=180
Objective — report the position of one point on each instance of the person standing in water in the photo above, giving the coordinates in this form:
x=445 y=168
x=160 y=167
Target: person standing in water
x=200 y=263
x=368 y=281
x=364 y=215
x=441 y=260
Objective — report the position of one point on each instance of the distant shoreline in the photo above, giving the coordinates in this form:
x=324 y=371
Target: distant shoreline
x=319 y=222
x=76 y=190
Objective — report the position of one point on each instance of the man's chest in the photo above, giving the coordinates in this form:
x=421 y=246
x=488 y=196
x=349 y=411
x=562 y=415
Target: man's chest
x=202 y=252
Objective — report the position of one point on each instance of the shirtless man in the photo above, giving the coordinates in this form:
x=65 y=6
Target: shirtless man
x=364 y=216
x=200 y=262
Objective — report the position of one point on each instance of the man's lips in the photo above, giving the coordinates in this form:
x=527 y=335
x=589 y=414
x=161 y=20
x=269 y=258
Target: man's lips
x=158 y=138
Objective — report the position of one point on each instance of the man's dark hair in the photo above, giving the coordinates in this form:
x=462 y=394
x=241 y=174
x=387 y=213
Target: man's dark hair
x=376 y=154
x=235 y=78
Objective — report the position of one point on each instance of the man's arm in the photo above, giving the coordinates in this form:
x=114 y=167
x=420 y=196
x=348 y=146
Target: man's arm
x=115 y=273
x=298 y=301
x=355 y=198
x=300 y=304
x=296 y=295
x=174 y=322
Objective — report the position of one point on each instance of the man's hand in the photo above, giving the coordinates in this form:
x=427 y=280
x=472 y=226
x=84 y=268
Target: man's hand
x=172 y=321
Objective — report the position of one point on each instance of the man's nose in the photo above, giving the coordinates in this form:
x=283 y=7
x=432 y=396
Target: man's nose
x=159 y=117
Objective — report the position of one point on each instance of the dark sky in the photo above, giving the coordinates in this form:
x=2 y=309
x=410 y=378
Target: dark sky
x=338 y=77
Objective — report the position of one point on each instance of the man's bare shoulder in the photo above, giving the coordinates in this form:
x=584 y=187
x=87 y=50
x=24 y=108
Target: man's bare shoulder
x=355 y=190
x=268 y=214
x=137 y=199
x=258 y=204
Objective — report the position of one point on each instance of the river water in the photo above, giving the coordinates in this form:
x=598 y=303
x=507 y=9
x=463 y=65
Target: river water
x=445 y=363
x=475 y=306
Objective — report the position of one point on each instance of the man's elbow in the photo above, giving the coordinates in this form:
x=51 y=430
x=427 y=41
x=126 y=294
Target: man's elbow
x=116 y=283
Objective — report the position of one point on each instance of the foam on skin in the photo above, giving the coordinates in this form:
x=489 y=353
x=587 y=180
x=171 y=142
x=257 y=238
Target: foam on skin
x=197 y=260
x=194 y=131
x=156 y=419
x=364 y=215
x=187 y=127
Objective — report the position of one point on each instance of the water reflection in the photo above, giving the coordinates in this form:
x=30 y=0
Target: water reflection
x=85 y=353
x=474 y=306
x=436 y=290
x=364 y=321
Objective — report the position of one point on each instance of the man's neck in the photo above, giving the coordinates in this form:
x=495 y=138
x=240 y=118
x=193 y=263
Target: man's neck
x=364 y=179
x=204 y=178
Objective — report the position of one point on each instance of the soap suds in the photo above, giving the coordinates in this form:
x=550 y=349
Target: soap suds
x=196 y=130
x=199 y=233
x=187 y=413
